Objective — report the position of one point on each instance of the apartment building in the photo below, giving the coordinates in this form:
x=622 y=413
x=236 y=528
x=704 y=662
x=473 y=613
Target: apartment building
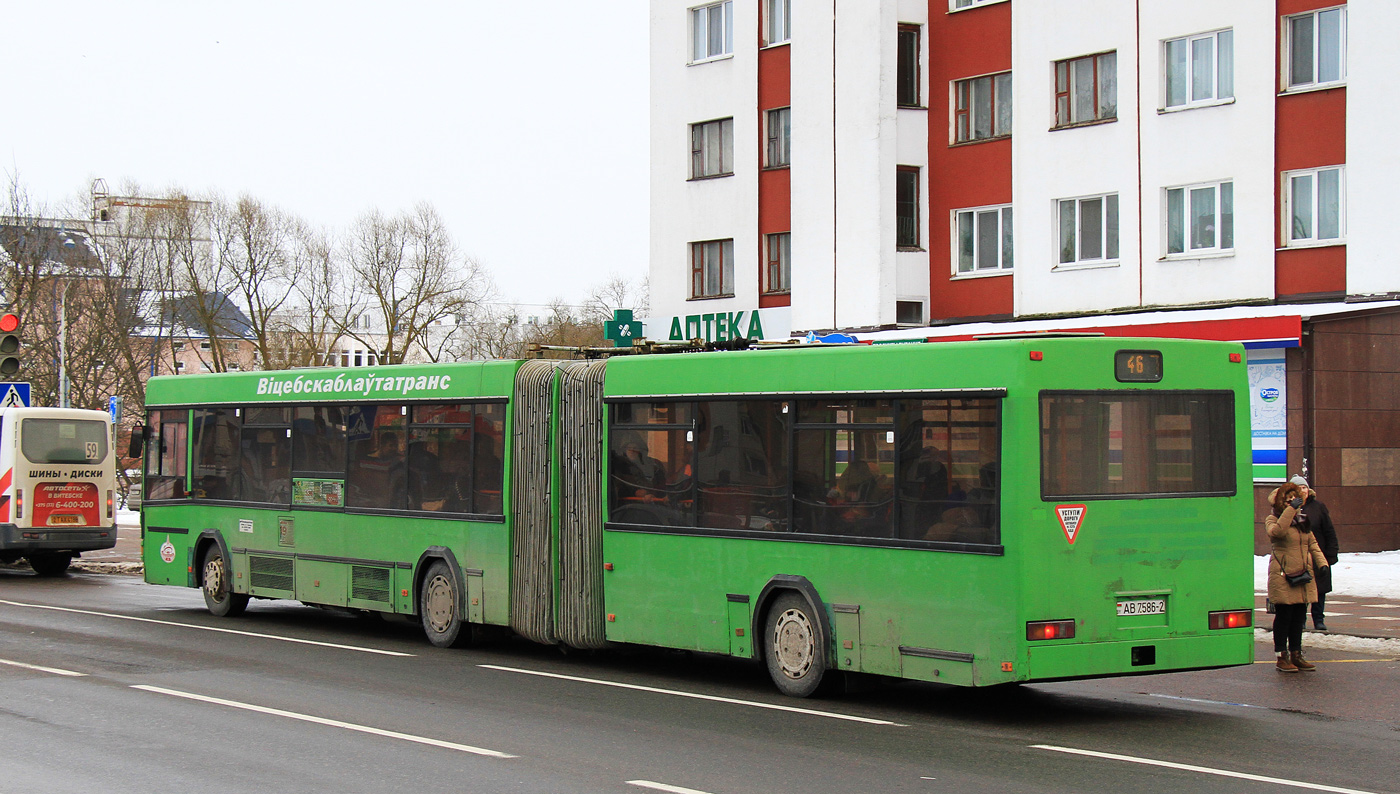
x=942 y=168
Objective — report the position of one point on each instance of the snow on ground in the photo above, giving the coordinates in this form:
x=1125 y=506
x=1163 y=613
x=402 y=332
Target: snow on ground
x=1362 y=575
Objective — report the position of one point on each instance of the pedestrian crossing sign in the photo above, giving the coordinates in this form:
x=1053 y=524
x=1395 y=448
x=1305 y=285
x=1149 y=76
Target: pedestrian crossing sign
x=14 y=395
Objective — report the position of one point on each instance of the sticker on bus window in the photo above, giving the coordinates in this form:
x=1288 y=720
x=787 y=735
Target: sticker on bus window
x=1071 y=519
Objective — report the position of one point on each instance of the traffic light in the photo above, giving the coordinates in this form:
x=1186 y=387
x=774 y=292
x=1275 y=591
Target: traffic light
x=9 y=345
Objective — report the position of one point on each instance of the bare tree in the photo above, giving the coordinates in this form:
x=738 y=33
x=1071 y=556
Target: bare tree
x=255 y=246
x=322 y=303
x=413 y=277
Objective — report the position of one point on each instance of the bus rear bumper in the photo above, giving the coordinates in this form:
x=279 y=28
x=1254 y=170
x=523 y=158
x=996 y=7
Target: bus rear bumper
x=1225 y=648
x=21 y=540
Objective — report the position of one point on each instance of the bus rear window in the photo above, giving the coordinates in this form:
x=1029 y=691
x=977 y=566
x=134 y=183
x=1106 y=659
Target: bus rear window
x=64 y=440
x=1136 y=444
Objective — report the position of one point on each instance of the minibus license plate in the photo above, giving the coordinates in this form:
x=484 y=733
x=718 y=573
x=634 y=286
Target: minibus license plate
x=1155 y=606
x=65 y=520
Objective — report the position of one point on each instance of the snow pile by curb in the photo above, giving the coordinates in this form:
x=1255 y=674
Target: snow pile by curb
x=132 y=568
x=1339 y=642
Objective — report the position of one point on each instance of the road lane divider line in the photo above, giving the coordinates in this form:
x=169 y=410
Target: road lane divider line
x=42 y=669
x=654 y=786
x=258 y=635
x=696 y=696
x=1202 y=769
x=349 y=726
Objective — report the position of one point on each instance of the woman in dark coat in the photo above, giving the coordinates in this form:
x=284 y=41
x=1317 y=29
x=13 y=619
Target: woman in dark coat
x=1293 y=551
x=1320 y=523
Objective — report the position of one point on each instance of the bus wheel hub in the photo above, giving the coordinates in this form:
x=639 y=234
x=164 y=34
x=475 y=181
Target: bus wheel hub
x=438 y=603
x=795 y=643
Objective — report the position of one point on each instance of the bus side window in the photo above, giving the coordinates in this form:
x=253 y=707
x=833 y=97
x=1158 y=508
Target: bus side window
x=216 y=432
x=165 y=455
x=265 y=456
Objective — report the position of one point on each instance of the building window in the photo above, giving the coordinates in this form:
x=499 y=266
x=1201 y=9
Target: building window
x=777 y=21
x=1200 y=70
x=179 y=366
x=1317 y=48
x=982 y=240
x=909 y=312
x=1201 y=218
x=712 y=149
x=983 y=107
x=907 y=208
x=777 y=276
x=779 y=126
x=712 y=31
x=1088 y=229
x=958 y=5
x=712 y=269
x=1313 y=205
x=908 y=77
x=1086 y=89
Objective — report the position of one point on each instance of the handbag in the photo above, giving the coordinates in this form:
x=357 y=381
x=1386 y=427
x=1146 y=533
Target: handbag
x=1296 y=579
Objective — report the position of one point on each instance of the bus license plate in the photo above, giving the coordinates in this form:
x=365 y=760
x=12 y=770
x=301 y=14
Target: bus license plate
x=55 y=521
x=1155 y=606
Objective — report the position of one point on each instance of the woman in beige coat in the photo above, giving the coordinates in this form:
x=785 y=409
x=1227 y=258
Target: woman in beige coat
x=1294 y=550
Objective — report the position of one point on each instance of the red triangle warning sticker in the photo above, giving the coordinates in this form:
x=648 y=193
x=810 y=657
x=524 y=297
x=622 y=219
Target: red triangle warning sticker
x=1071 y=518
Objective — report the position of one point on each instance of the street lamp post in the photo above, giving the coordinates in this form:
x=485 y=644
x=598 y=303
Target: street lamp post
x=68 y=246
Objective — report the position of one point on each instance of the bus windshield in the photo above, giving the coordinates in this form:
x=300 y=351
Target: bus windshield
x=1136 y=444
x=64 y=440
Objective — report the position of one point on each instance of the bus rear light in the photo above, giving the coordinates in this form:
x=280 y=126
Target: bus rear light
x=1050 y=630
x=1037 y=355
x=1236 y=358
x=110 y=502
x=19 y=503
x=1232 y=619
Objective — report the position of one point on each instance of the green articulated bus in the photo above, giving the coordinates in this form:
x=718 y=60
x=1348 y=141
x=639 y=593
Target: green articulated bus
x=972 y=513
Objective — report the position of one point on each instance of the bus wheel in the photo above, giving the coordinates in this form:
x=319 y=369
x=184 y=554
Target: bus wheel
x=219 y=597
x=50 y=564
x=796 y=662
x=438 y=608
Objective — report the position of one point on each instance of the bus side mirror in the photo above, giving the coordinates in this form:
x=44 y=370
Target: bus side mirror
x=138 y=440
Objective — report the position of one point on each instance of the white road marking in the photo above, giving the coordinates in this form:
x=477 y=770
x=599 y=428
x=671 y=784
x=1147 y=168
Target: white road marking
x=714 y=698
x=1210 y=702
x=1202 y=769
x=208 y=628
x=1378 y=617
x=42 y=669
x=349 y=726
x=664 y=787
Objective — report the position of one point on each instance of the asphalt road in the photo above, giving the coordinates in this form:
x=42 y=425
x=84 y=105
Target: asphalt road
x=108 y=684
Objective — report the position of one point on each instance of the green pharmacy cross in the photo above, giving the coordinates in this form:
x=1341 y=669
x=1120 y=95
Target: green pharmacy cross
x=622 y=329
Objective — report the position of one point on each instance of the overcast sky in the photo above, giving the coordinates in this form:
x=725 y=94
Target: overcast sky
x=524 y=123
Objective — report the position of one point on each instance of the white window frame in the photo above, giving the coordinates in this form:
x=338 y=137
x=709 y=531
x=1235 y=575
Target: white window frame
x=990 y=86
x=703 y=249
x=1312 y=239
x=700 y=154
x=1191 y=239
x=700 y=32
x=784 y=260
x=955 y=6
x=777 y=22
x=1287 y=61
x=777 y=151
x=1080 y=260
x=1221 y=91
x=1005 y=256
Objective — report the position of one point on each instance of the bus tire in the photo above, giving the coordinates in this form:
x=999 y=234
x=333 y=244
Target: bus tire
x=50 y=563
x=792 y=648
x=219 y=597
x=439 y=607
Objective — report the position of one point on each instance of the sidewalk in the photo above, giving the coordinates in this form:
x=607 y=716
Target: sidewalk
x=1354 y=616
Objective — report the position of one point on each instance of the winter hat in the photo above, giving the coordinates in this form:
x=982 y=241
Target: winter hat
x=1297 y=479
